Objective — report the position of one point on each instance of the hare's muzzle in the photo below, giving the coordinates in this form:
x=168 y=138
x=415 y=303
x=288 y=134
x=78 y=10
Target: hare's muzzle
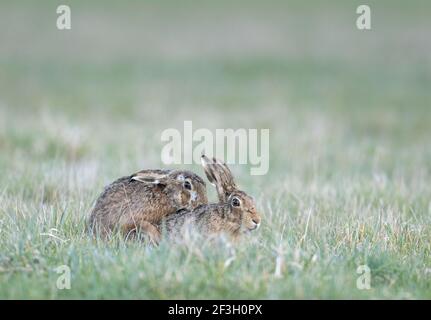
x=254 y=221
x=255 y=225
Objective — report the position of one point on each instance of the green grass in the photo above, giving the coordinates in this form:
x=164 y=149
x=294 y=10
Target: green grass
x=350 y=163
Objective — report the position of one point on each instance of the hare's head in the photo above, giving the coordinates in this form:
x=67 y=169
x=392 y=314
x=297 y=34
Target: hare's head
x=192 y=187
x=186 y=189
x=242 y=206
x=243 y=211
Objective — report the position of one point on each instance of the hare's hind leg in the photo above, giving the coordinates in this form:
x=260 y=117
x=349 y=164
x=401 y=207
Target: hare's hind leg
x=132 y=228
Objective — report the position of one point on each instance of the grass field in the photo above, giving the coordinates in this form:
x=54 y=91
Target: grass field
x=349 y=114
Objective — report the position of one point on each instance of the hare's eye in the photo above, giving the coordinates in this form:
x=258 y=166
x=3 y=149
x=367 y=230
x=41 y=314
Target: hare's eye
x=187 y=185
x=236 y=202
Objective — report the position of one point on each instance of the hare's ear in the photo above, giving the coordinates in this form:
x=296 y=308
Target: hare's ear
x=207 y=164
x=150 y=177
x=220 y=176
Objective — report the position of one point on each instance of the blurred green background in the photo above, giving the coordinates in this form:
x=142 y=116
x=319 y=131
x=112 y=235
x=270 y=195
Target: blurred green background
x=348 y=111
x=128 y=70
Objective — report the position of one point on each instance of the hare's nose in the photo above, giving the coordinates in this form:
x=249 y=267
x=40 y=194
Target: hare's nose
x=256 y=223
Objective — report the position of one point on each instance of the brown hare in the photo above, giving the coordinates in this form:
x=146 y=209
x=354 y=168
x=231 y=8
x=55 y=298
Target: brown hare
x=234 y=215
x=139 y=202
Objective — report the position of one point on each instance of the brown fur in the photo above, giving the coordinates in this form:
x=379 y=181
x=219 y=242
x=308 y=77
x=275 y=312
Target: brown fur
x=142 y=200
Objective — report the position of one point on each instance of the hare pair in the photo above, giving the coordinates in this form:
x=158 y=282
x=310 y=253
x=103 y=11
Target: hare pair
x=152 y=199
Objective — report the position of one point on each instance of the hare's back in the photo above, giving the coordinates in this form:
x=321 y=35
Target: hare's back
x=121 y=195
